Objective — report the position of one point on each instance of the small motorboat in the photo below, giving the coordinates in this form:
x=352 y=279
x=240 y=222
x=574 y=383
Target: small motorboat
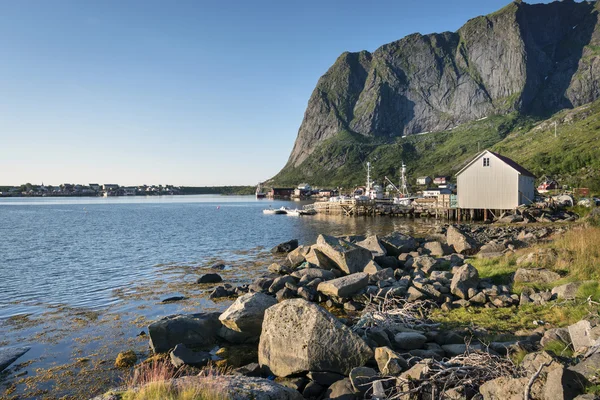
x=294 y=212
x=274 y=211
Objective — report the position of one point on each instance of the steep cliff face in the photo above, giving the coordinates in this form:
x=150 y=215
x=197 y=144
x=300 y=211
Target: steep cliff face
x=533 y=59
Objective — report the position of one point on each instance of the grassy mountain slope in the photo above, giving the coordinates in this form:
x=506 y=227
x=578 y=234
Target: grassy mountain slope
x=573 y=156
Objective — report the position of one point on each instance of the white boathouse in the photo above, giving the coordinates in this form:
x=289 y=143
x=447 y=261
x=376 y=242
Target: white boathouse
x=494 y=182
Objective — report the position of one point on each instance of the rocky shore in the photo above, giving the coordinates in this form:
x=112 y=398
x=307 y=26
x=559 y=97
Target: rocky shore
x=351 y=318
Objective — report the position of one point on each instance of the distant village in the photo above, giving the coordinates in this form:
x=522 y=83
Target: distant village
x=90 y=190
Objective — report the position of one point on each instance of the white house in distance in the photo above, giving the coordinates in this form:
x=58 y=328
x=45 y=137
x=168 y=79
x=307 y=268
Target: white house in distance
x=423 y=180
x=494 y=182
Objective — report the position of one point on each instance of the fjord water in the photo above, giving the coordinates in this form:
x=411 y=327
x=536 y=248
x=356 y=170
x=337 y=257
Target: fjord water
x=76 y=251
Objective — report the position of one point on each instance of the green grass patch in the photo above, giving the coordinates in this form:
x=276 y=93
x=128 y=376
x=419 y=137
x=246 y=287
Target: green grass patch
x=559 y=348
x=499 y=270
x=512 y=319
x=589 y=290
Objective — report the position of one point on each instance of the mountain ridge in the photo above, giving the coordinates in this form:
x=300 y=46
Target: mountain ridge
x=532 y=59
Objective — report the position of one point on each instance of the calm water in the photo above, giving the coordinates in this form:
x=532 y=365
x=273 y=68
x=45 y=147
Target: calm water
x=81 y=277
x=76 y=251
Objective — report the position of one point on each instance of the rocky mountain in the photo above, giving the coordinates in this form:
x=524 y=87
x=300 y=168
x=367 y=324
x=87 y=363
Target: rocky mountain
x=525 y=59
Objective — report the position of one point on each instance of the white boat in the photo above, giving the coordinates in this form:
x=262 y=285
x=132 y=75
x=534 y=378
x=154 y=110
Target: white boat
x=273 y=211
x=294 y=212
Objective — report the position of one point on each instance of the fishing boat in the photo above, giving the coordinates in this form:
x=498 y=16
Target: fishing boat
x=294 y=213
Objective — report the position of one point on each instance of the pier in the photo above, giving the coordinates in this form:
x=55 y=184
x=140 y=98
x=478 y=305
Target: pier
x=424 y=207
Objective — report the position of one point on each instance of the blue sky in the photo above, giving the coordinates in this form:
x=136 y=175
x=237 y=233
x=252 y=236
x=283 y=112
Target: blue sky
x=178 y=92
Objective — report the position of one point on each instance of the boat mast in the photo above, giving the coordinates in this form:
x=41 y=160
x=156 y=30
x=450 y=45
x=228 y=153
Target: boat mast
x=403 y=184
x=368 y=177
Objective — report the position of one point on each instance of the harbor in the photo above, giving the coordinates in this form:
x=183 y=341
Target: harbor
x=490 y=187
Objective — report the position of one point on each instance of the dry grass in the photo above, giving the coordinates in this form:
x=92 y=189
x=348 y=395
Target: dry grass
x=579 y=252
x=157 y=380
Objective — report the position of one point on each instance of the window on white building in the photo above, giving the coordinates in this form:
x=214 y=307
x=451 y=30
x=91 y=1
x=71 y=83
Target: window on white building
x=486 y=162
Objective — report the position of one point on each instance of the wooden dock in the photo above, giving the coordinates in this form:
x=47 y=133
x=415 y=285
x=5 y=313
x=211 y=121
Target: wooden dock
x=352 y=208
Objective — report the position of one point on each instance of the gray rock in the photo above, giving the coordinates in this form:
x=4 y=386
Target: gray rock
x=563 y=384
x=388 y=262
x=589 y=367
x=210 y=278
x=285 y=294
x=462 y=243
x=341 y=390
x=240 y=387
x=345 y=286
x=465 y=278
x=182 y=355
x=361 y=378
x=349 y=257
x=279 y=283
x=436 y=249
x=536 y=275
x=297 y=256
x=247 y=312
x=279 y=269
x=198 y=330
x=320 y=260
x=261 y=284
x=398 y=243
x=299 y=336
x=312 y=390
x=506 y=388
x=410 y=340
x=389 y=362
x=583 y=335
x=373 y=244
x=325 y=378
x=314 y=273
x=539 y=257
x=568 y=291
x=556 y=334
x=285 y=247
x=458 y=349
x=9 y=355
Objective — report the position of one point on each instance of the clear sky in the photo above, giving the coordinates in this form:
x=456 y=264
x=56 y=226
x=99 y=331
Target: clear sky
x=178 y=92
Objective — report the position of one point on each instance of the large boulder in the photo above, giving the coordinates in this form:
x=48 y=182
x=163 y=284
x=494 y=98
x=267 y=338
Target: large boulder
x=341 y=390
x=197 y=330
x=247 y=312
x=568 y=291
x=398 y=243
x=299 y=336
x=589 y=367
x=349 y=257
x=535 y=275
x=10 y=355
x=345 y=286
x=373 y=244
x=465 y=278
x=462 y=243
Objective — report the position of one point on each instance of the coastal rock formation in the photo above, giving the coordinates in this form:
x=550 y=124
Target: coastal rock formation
x=299 y=336
x=348 y=257
x=10 y=355
x=531 y=58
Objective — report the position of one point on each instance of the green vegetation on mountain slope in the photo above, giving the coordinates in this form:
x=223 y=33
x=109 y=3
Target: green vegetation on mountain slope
x=573 y=156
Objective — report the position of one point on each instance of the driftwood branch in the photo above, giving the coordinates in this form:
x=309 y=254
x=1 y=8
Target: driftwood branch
x=527 y=395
